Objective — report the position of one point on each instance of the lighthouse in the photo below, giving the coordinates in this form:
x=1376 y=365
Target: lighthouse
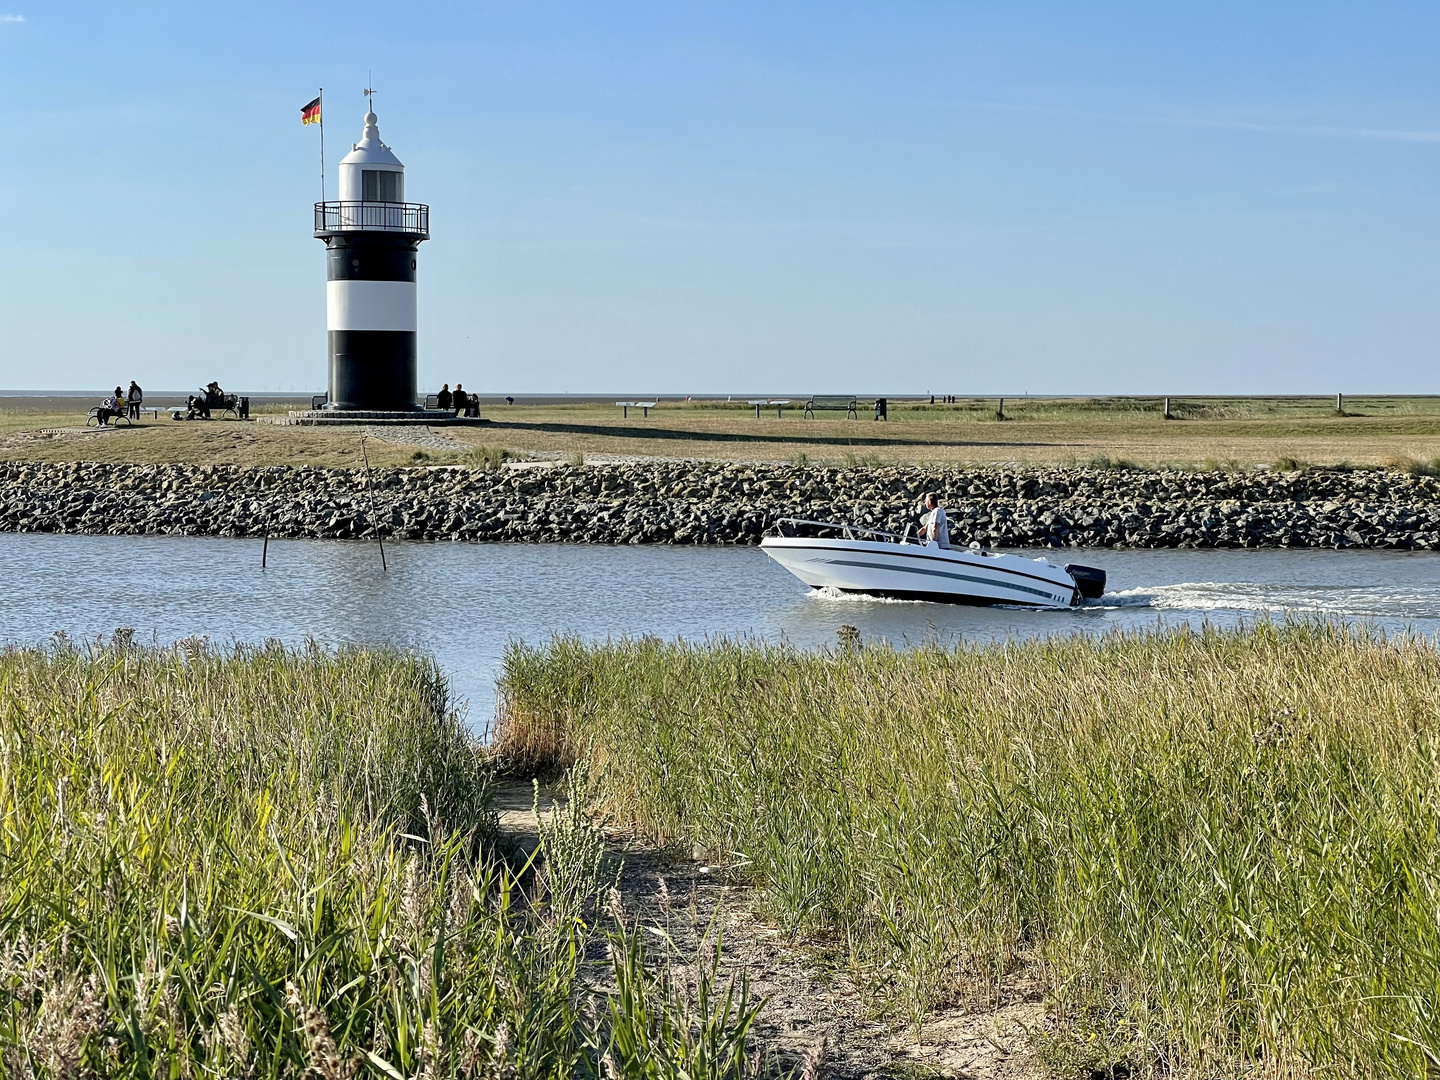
x=372 y=237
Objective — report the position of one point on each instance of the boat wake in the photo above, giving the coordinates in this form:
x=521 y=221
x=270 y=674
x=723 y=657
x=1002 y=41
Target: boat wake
x=826 y=593
x=1344 y=601
x=1350 y=601
x=1122 y=598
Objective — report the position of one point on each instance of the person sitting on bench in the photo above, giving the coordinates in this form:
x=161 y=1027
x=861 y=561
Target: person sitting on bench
x=114 y=405
x=462 y=399
x=443 y=398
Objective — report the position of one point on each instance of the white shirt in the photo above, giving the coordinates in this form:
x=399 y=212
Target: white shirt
x=936 y=518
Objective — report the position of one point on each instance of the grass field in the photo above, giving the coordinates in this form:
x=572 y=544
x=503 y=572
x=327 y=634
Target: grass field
x=261 y=863
x=1219 y=850
x=1214 y=432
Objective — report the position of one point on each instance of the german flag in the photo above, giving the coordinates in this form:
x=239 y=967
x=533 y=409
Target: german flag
x=310 y=114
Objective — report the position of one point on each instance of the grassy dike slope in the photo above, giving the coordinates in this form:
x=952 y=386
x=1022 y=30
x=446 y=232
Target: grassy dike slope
x=1235 y=433
x=1216 y=848
x=267 y=863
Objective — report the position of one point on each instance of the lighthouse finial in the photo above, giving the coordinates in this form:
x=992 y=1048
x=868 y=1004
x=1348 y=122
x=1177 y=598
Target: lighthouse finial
x=372 y=130
x=371 y=120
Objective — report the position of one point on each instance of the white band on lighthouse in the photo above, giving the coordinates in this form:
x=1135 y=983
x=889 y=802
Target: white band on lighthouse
x=370 y=305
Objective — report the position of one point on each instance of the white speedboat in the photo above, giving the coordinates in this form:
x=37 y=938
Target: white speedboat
x=859 y=560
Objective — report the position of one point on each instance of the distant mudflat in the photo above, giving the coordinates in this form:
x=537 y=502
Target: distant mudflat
x=706 y=503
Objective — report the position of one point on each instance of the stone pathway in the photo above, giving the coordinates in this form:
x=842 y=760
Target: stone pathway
x=58 y=434
x=425 y=438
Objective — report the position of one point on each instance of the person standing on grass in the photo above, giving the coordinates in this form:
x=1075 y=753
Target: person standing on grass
x=933 y=525
x=134 y=396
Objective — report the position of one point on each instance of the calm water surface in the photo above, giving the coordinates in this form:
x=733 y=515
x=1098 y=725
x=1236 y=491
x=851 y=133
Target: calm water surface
x=462 y=602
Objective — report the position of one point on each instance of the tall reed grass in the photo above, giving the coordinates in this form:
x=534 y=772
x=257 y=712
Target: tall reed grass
x=1221 y=849
x=258 y=862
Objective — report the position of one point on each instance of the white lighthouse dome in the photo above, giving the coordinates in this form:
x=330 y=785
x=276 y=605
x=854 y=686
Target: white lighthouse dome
x=371 y=172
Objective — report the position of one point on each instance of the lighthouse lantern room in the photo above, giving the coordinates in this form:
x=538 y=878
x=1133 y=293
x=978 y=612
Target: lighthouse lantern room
x=372 y=236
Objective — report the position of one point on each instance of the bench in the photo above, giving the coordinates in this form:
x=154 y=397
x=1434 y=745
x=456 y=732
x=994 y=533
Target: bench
x=92 y=419
x=317 y=400
x=779 y=404
x=135 y=408
x=626 y=406
x=205 y=405
x=821 y=402
x=471 y=408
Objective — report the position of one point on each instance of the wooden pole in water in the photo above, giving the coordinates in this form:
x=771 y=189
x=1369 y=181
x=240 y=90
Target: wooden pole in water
x=370 y=496
x=265 y=549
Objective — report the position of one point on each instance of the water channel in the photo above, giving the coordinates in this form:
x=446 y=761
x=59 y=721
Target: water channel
x=461 y=603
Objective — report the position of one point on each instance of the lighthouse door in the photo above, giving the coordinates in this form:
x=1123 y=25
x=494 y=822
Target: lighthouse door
x=381 y=186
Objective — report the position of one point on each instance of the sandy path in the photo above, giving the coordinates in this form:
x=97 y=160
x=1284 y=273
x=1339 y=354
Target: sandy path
x=807 y=1004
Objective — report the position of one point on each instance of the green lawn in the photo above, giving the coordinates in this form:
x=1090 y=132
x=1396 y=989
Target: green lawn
x=1239 y=432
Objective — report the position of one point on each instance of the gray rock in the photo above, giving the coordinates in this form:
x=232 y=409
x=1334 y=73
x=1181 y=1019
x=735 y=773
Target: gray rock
x=700 y=503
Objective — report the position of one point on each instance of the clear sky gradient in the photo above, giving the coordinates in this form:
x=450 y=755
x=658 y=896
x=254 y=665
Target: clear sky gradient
x=781 y=197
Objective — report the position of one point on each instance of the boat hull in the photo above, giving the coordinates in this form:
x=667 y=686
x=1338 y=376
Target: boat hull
x=922 y=572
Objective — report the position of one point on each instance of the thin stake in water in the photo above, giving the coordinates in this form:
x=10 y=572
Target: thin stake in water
x=370 y=494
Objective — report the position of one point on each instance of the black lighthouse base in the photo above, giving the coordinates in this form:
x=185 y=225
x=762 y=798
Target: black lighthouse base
x=372 y=369
x=370 y=307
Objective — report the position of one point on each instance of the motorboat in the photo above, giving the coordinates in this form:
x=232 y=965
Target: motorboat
x=855 y=559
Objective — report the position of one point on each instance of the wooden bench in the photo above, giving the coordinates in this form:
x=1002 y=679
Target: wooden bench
x=821 y=402
x=626 y=406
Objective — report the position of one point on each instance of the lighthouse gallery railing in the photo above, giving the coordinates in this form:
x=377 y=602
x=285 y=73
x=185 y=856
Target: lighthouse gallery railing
x=347 y=216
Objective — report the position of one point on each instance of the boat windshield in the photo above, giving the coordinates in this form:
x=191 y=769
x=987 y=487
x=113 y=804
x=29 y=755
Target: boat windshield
x=807 y=527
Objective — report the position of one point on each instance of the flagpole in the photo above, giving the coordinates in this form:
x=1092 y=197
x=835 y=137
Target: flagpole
x=322 y=148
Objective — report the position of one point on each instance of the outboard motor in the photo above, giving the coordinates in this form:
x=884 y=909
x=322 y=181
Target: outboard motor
x=1088 y=580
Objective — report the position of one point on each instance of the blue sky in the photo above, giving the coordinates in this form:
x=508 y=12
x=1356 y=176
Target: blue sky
x=777 y=197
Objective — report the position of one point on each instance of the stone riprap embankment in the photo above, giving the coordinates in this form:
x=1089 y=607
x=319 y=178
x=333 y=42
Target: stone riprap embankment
x=699 y=503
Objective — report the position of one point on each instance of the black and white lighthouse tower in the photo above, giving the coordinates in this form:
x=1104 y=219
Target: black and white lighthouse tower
x=372 y=236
